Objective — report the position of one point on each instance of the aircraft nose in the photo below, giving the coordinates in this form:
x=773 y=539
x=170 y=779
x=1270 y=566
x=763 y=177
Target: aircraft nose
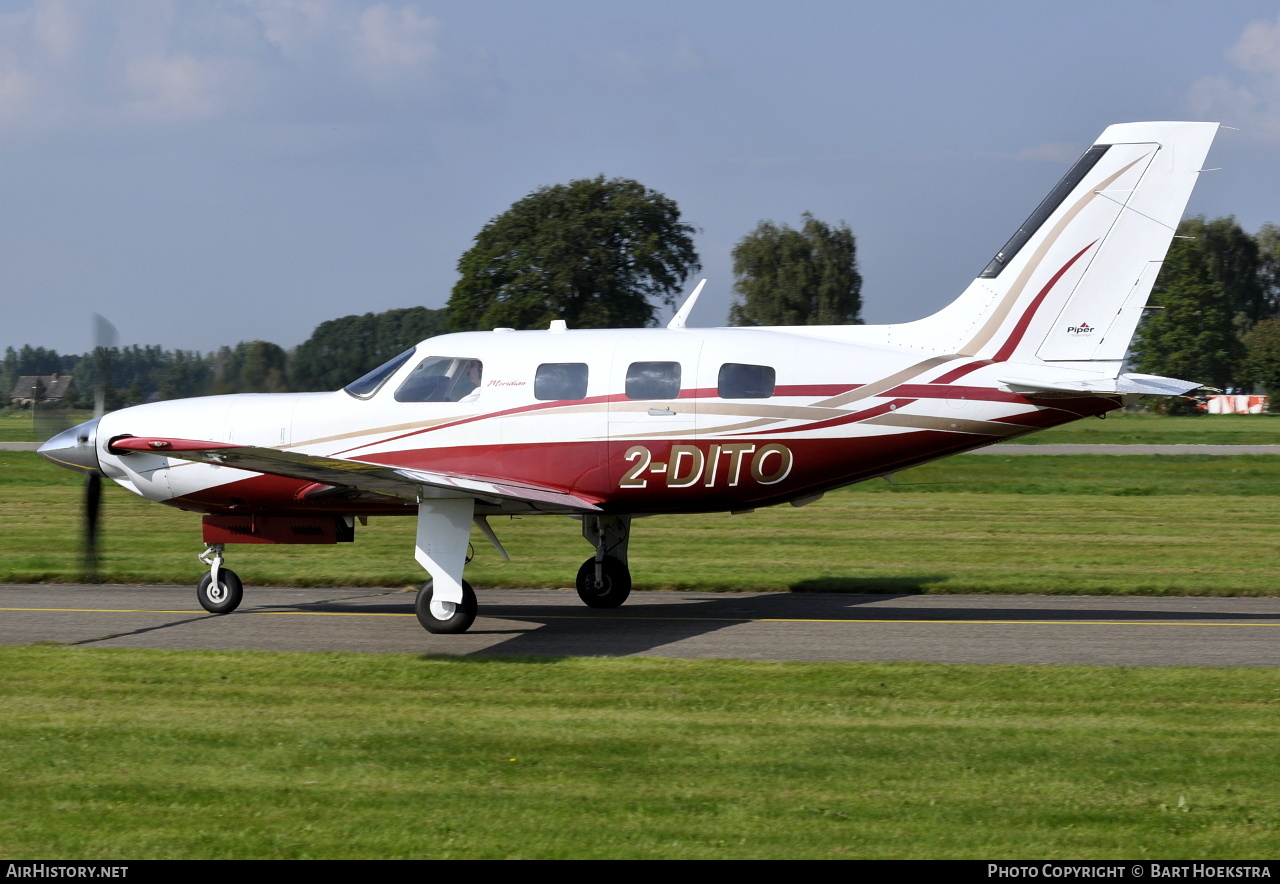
x=75 y=449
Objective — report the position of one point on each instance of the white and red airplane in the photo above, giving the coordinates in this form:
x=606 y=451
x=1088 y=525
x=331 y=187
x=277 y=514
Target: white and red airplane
x=603 y=426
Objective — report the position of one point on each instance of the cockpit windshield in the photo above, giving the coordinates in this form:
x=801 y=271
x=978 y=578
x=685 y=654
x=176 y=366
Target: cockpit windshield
x=366 y=386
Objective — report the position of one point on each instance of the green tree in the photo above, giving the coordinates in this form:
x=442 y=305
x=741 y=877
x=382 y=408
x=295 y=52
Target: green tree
x=251 y=367
x=1262 y=359
x=1232 y=259
x=185 y=373
x=596 y=253
x=797 y=277
x=1192 y=335
x=1268 y=239
x=263 y=368
x=341 y=350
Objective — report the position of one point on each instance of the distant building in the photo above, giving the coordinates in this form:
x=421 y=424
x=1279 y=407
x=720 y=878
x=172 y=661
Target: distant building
x=51 y=388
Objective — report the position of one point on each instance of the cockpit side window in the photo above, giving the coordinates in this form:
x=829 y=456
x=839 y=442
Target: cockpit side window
x=560 y=380
x=365 y=387
x=739 y=381
x=442 y=379
x=653 y=380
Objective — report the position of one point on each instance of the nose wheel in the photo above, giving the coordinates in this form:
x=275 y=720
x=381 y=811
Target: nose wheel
x=222 y=597
x=219 y=590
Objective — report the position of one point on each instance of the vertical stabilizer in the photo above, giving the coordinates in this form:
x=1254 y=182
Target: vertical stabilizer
x=1074 y=279
x=1070 y=285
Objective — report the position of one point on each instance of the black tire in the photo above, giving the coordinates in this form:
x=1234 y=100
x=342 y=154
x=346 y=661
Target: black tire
x=614 y=588
x=226 y=598
x=463 y=616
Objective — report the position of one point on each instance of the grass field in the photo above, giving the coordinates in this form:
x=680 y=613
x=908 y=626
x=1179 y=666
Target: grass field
x=1132 y=428
x=16 y=425
x=123 y=754
x=1154 y=525
x=143 y=754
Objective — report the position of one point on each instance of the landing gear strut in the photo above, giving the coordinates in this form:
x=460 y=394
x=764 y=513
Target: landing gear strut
x=220 y=590
x=604 y=580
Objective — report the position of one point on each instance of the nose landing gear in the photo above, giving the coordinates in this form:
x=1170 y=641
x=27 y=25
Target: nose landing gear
x=220 y=590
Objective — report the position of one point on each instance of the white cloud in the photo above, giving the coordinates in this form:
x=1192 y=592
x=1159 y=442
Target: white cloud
x=1258 y=49
x=664 y=62
x=1251 y=99
x=297 y=27
x=176 y=88
x=687 y=59
x=390 y=40
x=56 y=26
x=66 y=64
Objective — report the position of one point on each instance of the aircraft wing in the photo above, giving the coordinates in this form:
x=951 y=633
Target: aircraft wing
x=382 y=479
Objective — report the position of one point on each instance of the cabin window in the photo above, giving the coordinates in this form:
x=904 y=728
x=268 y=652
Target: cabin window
x=653 y=380
x=1046 y=208
x=738 y=381
x=441 y=379
x=560 y=380
x=366 y=386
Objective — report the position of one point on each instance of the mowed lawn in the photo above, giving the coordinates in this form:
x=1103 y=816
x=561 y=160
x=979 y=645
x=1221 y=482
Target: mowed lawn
x=1145 y=428
x=142 y=754
x=130 y=754
x=1176 y=525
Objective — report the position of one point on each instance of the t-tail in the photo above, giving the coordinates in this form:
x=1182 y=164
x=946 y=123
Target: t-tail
x=1061 y=300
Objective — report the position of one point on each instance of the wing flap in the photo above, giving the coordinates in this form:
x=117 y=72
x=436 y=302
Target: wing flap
x=389 y=481
x=1123 y=385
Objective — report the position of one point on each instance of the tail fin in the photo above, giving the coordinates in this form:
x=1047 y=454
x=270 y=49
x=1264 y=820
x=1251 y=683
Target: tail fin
x=1070 y=285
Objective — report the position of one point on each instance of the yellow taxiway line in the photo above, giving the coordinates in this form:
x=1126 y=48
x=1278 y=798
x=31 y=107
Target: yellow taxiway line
x=1272 y=623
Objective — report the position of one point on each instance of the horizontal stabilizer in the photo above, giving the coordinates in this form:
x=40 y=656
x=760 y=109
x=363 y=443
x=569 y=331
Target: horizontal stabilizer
x=1124 y=385
x=388 y=481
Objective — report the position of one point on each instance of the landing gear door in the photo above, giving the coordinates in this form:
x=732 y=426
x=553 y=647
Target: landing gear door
x=653 y=413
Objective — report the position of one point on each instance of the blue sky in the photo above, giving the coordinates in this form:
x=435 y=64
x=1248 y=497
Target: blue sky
x=205 y=173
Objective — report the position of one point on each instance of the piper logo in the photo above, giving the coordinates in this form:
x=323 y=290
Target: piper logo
x=1083 y=328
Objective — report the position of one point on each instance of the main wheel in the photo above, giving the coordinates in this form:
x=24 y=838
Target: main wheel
x=456 y=619
x=223 y=598
x=612 y=589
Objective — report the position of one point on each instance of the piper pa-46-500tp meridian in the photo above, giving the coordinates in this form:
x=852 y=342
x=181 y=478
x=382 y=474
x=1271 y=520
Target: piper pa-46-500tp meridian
x=607 y=425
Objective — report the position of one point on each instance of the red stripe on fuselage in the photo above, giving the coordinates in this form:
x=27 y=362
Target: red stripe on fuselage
x=822 y=390
x=1015 y=336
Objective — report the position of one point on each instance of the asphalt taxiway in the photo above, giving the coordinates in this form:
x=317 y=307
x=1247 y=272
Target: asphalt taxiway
x=1107 y=631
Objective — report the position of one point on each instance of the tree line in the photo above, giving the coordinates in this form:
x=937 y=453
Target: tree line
x=337 y=352
x=1214 y=313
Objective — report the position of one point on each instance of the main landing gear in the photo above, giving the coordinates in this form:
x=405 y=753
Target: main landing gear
x=220 y=590
x=446 y=604
x=445 y=618
x=604 y=580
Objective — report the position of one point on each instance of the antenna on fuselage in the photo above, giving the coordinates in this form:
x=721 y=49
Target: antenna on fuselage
x=686 y=308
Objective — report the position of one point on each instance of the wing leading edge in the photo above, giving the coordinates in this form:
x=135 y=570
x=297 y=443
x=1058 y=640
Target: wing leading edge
x=405 y=484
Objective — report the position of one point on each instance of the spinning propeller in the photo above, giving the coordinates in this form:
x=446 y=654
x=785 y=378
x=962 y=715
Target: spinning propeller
x=77 y=447
x=104 y=339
